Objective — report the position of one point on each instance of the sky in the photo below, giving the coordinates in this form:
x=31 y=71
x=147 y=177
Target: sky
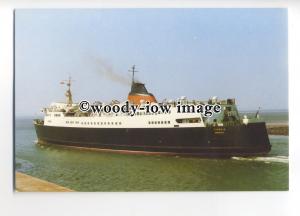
x=197 y=53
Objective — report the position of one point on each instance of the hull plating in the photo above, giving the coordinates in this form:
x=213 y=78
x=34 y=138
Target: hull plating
x=251 y=139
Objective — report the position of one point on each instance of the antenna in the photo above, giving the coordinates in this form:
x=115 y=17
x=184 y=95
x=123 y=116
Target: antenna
x=133 y=71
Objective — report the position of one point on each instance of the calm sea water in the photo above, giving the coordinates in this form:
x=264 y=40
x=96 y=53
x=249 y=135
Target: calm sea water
x=97 y=171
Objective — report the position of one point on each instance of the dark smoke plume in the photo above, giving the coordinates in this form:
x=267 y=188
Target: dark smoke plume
x=108 y=72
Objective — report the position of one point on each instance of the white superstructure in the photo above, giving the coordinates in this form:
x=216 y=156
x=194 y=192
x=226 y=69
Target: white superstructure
x=63 y=115
x=68 y=115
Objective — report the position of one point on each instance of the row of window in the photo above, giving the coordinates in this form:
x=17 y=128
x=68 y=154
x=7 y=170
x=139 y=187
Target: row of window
x=113 y=123
x=94 y=123
x=195 y=120
x=146 y=113
x=188 y=120
x=159 y=122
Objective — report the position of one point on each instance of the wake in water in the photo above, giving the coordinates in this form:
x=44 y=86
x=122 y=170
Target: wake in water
x=279 y=159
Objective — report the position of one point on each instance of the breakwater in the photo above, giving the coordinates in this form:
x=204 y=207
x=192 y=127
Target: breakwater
x=278 y=129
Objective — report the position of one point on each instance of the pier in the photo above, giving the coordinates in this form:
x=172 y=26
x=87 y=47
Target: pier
x=27 y=183
x=278 y=129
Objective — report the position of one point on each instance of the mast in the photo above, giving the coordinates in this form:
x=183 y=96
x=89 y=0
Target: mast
x=68 y=93
x=133 y=71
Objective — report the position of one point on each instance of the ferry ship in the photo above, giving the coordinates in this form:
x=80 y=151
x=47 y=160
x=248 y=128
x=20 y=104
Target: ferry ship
x=224 y=134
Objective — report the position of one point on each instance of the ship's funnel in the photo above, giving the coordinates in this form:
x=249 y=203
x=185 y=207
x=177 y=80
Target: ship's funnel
x=139 y=93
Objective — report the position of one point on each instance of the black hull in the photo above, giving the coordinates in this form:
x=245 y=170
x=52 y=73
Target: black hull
x=214 y=142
